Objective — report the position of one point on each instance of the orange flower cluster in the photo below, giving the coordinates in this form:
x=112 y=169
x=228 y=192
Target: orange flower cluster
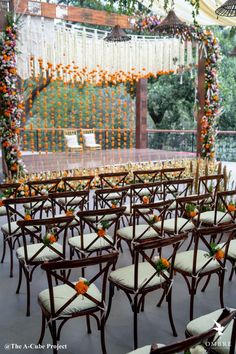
x=82 y=286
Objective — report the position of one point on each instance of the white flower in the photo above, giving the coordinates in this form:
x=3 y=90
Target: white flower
x=99 y=226
x=199 y=349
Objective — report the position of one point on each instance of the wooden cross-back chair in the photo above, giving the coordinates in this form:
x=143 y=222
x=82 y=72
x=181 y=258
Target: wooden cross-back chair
x=210 y=184
x=30 y=256
x=186 y=215
x=206 y=340
x=90 y=239
x=64 y=302
x=69 y=204
x=113 y=180
x=75 y=183
x=104 y=197
x=204 y=260
x=177 y=188
x=7 y=190
x=147 y=176
x=145 y=217
x=170 y=173
x=142 y=193
x=16 y=211
x=223 y=212
x=43 y=187
x=145 y=276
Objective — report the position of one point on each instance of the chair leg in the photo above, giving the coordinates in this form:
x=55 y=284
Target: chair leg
x=102 y=332
x=43 y=326
x=54 y=337
x=221 y=285
x=135 y=324
x=207 y=282
x=192 y=294
x=4 y=249
x=169 y=301
x=20 y=279
x=161 y=299
x=11 y=256
x=111 y=294
x=27 y=278
x=232 y=272
x=88 y=324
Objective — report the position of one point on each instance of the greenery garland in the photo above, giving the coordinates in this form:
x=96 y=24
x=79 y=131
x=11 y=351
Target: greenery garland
x=11 y=106
x=210 y=46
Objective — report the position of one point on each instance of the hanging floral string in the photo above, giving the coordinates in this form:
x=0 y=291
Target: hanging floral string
x=11 y=106
x=210 y=46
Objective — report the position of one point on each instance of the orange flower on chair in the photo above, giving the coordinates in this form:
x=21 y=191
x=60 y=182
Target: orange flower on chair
x=82 y=286
x=70 y=212
x=146 y=199
x=231 y=206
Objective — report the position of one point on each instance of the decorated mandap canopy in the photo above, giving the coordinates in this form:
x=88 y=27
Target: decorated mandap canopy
x=183 y=9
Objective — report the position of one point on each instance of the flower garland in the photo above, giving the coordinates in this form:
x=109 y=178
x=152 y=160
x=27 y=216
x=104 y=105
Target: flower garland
x=11 y=106
x=212 y=109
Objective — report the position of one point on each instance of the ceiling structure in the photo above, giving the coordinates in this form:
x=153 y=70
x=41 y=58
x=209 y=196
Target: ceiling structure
x=183 y=10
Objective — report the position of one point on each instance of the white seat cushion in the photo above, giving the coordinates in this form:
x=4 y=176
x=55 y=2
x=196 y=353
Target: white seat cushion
x=208 y=217
x=182 y=225
x=44 y=255
x=204 y=323
x=15 y=229
x=62 y=293
x=184 y=262
x=69 y=201
x=88 y=238
x=47 y=205
x=129 y=211
x=127 y=232
x=145 y=350
x=125 y=276
x=3 y=211
x=72 y=141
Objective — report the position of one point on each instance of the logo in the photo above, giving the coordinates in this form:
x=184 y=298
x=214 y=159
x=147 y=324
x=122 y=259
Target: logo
x=218 y=328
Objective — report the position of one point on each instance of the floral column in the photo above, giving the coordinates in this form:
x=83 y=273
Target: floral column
x=11 y=105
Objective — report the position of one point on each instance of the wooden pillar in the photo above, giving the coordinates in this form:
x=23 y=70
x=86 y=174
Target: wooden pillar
x=201 y=98
x=141 y=114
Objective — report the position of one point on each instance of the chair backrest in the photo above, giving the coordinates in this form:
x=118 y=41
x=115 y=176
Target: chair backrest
x=69 y=203
x=226 y=203
x=216 y=250
x=177 y=188
x=43 y=187
x=145 y=193
x=148 y=176
x=71 y=137
x=108 y=198
x=89 y=137
x=101 y=223
x=47 y=232
x=163 y=266
x=16 y=210
x=112 y=180
x=190 y=208
x=206 y=339
x=149 y=215
x=210 y=184
x=55 y=271
x=9 y=190
x=170 y=173
x=77 y=183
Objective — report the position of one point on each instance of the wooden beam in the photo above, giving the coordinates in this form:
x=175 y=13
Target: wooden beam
x=141 y=114
x=76 y=14
x=201 y=99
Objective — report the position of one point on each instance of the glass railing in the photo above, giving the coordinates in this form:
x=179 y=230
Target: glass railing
x=172 y=140
x=185 y=140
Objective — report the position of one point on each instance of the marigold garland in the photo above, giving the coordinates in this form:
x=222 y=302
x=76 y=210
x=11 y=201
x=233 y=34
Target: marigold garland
x=11 y=105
